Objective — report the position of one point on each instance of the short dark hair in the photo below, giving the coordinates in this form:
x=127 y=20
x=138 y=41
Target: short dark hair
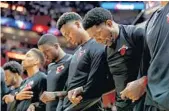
x=67 y=17
x=13 y=66
x=47 y=39
x=39 y=54
x=96 y=16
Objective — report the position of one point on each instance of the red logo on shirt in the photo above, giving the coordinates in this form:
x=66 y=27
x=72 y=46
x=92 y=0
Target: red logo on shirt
x=123 y=49
x=29 y=85
x=59 y=69
x=168 y=17
x=81 y=53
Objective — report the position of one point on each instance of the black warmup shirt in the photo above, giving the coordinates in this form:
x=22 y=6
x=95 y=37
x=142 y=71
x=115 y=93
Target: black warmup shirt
x=157 y=38
x=124 y=58
x=10 y=106
x=56 y=78
x=38 y=85
x=88 y=69
x=4 y=90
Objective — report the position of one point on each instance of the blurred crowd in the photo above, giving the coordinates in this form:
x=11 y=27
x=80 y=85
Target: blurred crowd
x=51 y=10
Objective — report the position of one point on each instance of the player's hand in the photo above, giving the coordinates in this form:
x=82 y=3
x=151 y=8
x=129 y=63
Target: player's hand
x=47 y=96
x=24 y=94
x=73 y=95
x=134 y=90
x=31 y=108
x=8 y=98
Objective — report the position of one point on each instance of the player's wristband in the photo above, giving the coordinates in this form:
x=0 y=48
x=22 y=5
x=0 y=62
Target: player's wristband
x=60 y=94
x=15 y=95
x=145 y=81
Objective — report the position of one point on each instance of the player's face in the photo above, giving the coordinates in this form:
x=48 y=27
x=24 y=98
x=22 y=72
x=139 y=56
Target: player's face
x=50 y=52
x=30 y=60
x=92 y=31
x=103 y=32
x=72 y=32
x=163 y=3
x=9 y=78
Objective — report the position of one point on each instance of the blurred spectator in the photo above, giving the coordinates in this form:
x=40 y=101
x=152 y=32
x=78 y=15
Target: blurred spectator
x=52 y=9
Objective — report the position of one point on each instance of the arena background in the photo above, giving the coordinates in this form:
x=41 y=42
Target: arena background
x=22 y=24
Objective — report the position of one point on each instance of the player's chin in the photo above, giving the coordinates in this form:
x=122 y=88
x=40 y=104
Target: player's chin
x=48 y=60
x=99 y=41
x=24 y=66
x=74 y=44
x=23 y=63
x=102 y=42
x=8 y=84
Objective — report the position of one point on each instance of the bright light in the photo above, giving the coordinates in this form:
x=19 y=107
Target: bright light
x=20 y=9
x=8 y=30
x=39 y=29
x=13 y=7
x=15 y=55
x=4 y=5
x=124 y=7
x=20 y=24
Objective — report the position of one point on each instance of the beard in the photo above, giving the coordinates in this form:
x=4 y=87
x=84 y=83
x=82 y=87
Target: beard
x=108 y=42
x=54 y=59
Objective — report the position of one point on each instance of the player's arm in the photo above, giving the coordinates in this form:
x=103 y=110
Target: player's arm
x=135 y=89
x=51 y=96
x=95 y=75
x=42 y=86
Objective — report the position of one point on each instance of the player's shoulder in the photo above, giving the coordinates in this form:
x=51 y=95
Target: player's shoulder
x=42 y=75
x=68 y=57
x=66 y=60
x=51 y=65
x=133 y=32
x=96 y=48
x=131 y=29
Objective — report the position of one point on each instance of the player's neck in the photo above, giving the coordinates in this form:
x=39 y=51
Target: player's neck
x=115 y=34
x=61 y=55
x=117 y=31
x=85 y=38
x=32 y=71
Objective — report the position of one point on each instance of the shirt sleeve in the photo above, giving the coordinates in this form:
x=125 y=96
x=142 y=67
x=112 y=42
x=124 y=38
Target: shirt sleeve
x=142 y=50
x=145 y=62
x=94 y=85
x=138 y=37
x=40 y=106
x=4 y=88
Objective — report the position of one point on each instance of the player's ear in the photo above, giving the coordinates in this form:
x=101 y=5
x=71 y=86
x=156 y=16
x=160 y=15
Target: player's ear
x=37 y=61
x=15 y=78
x=56 y=45
x=109 y=23
x=78 y=24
